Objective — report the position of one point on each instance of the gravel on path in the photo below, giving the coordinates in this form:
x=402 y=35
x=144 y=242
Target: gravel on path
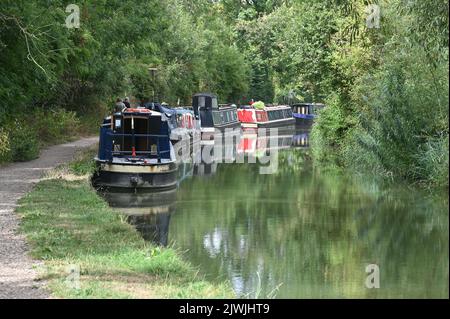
x=17 y=269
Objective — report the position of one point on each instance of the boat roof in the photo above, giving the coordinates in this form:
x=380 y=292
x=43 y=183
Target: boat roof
x=267 y=108
x=140 y=111
x=308 y=104
x=271 y=108
x=212 y=95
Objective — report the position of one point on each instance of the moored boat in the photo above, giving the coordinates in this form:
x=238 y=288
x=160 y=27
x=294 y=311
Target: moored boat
x=213 y=117
x=181 y=122
x=306 y=113
x=135 y=152
x=267 y=117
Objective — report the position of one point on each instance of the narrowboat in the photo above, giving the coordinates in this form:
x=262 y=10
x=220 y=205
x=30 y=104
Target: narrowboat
x=211 y=116
x=181 y=121
x=305 y=113
x=135 y=152
x=267 y=117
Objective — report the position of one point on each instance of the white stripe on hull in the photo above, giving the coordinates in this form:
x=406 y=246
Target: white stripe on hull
x=138 y=169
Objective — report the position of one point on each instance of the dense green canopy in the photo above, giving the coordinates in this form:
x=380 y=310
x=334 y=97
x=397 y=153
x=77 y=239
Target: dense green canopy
x=386 y=87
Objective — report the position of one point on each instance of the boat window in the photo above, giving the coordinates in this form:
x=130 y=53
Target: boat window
x=201 y=101
x=304 y=110
x=259 y=117
x=216 y=118
x=215 y=105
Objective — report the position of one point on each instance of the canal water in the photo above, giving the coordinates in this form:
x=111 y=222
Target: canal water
x=302 y=231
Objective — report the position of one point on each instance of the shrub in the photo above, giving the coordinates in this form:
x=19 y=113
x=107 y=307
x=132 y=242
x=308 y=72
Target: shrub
x=5 y=150
x=434 y=161
x=55 y=126
x=21 y=137
x=23 y=143
x=328 y=131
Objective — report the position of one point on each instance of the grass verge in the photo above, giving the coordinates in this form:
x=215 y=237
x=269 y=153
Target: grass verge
x=70 y=227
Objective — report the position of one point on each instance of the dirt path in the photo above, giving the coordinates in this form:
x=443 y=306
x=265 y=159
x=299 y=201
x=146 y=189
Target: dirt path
x=17 y=273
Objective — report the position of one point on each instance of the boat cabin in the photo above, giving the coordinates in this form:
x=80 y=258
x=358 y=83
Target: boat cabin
x=269 y=116
x=211 y=115
x=305 y=113
x=135 y=151
x=307 y=108
x=135 y=134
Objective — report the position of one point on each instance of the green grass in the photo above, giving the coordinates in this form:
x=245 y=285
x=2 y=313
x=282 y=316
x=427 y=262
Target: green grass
x=84 y=163
x=67 y=223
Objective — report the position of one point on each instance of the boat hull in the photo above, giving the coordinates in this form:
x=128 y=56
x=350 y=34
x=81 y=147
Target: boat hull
x=304 y=120
x=132 y=176
x=277 y=123
x=283 y=125
x=208 y=133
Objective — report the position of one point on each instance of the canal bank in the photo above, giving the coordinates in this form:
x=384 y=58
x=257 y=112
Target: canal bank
x=90 y=251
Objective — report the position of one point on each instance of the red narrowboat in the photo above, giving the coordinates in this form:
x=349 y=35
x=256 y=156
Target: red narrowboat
x=267 y=117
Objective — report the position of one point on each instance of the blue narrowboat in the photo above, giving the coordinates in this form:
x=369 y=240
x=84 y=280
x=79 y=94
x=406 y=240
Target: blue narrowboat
x=135 y=152
x=211 y=116
x=305 y=113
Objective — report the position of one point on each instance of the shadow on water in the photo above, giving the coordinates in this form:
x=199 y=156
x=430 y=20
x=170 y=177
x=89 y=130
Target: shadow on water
x=301 y=232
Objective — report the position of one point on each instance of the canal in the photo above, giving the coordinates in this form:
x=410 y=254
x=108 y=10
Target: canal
x=302 y=231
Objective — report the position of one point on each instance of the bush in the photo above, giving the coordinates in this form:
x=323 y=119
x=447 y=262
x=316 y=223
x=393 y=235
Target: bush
x=21 y=138
x=328 y=132
x=23 y=143
x=434 y=161
x=5 y=150
x=55 y=126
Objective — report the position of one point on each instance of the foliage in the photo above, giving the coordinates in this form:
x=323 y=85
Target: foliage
x=258 y=105
x=395 y=104
x=4 y=145
x=376 y=81
x=24 y=135
x=23 y=143
x=49 y=69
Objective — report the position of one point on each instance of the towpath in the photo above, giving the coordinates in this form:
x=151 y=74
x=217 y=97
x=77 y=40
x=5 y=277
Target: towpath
x=17 y=269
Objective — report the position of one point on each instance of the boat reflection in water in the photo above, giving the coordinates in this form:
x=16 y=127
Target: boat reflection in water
x=255 y=143
x=301 y=139
x=148 y=212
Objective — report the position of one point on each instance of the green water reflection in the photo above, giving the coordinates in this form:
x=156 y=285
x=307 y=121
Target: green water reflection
x=305 y=232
